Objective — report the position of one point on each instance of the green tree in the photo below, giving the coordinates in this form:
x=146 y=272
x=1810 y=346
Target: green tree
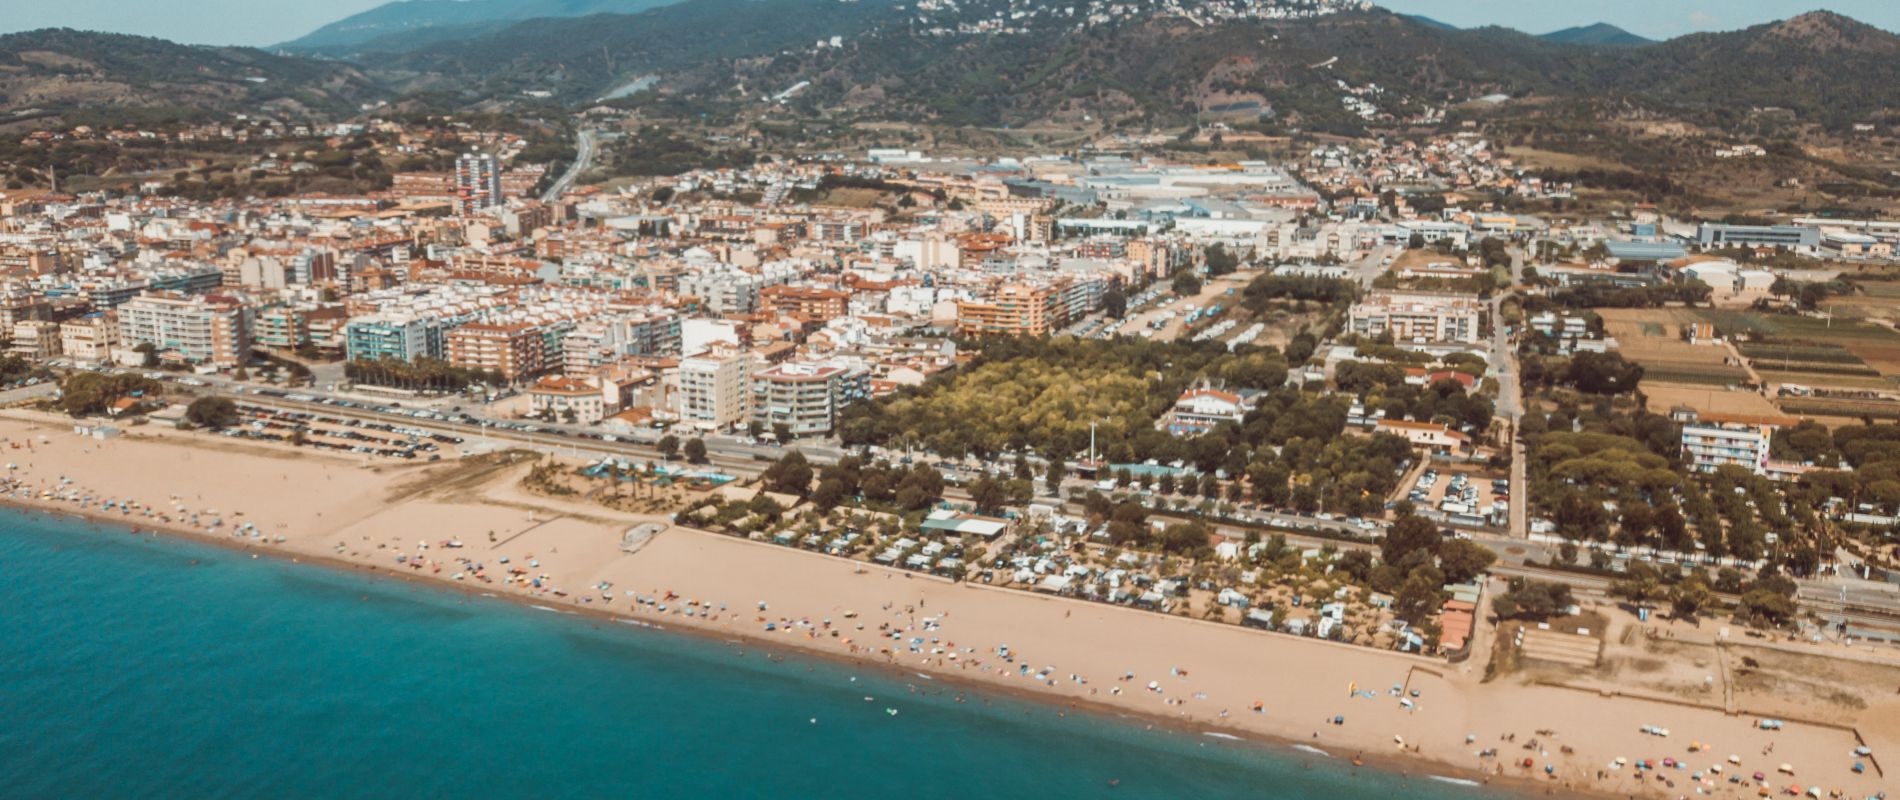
x=696 y=450
x=1690 y=597
x=791 y=474
x=1464 y=560
x=669 y=447
x=1410 y=534
x=1642 y=585
x=783 y=433
x=212 y=412
x=1114 y=303
x=988 y=495
x=1186 y=284
x=829 y=495
x=1052 y=476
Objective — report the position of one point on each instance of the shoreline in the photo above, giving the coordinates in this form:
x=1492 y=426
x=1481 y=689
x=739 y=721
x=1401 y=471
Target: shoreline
x=1405 y=767
x=384 y=520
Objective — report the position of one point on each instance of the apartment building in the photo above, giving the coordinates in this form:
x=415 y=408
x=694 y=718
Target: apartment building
x=38 y=340
x=477 y=182
x=598 y=342
x=806 y=396
x=1014 y=310
x=563 y=399
x=1417 y=317
x=89 y=339
x=1712 y=440
x=398 y=335
x=199 y=329
x=513 y=350
x=716 y=389
x=812 y=305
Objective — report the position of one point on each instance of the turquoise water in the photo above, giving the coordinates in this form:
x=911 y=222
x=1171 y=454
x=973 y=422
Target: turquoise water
x=157 y=668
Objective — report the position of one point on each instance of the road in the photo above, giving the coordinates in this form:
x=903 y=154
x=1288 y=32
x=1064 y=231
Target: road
x=1368 y=269
x=1510 y=405
x=583 y=158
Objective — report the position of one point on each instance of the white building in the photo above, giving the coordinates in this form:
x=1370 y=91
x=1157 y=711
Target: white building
x=1417 y=317
x=197 y=329
x=1711 y=443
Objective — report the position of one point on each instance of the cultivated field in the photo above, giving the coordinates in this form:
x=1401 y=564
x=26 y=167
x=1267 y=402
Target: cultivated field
x=1708 y=399
x=1653 y=337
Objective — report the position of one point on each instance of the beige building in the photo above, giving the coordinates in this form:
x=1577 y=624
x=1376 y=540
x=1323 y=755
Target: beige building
x=566 y=400
x=38 y=340
x=716 y=389
x=90 y=338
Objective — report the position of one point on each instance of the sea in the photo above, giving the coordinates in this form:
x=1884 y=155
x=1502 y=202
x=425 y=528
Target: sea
x=135 y=666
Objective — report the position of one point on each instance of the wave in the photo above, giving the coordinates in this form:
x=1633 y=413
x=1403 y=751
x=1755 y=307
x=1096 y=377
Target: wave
x=1307 y=748
x=1219 y=735
x=1456 y=781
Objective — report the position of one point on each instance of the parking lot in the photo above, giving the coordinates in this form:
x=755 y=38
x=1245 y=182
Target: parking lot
x=339 y=434
x=1463 y=497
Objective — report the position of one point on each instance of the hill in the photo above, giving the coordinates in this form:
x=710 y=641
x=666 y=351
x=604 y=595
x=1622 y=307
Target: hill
x=115 y=76
x=406 y=24
x=1339 y=72
x=1601 y=33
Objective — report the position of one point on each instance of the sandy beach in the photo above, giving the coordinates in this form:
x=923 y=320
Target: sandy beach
x=1200 y=676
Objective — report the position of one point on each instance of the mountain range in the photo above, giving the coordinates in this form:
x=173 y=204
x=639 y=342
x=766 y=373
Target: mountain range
x=964 y=65
x=406 y=24
x=62 y=70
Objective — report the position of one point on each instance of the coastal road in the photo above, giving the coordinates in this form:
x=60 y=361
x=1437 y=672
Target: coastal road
x=583 y=158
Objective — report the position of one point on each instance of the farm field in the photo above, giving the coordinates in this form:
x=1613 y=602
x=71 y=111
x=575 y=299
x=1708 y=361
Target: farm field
x=1663 y=397
x=1875 y=345
x=1653 y=337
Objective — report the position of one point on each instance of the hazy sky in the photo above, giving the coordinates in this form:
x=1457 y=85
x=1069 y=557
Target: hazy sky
x=259 y=22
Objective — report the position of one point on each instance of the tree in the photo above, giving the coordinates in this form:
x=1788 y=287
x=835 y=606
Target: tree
x=1767 y=606
x=829 y=495
x=1219 y=261
x=791 y=474
x=696 y=450
x=212 y=412
x=1418 y=598
x=1690 y=596
x=988 y=495
x=1052 y=477
x=1114 y=303
x=783 y=433
x=1536 y=600
x=1408 y=535
x=148 y=353
x=1642 y=585
x=1464 y=560
x=669 y=447
x=1186 y=284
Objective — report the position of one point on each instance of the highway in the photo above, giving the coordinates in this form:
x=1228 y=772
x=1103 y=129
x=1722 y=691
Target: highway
x=583 y=158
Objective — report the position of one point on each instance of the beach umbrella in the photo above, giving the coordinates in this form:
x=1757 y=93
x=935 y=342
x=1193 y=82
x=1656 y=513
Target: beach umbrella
x=1734 y=759
x=1620 y=761
x=1788 y=768
x=1863 y=750
x=1760 y=777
